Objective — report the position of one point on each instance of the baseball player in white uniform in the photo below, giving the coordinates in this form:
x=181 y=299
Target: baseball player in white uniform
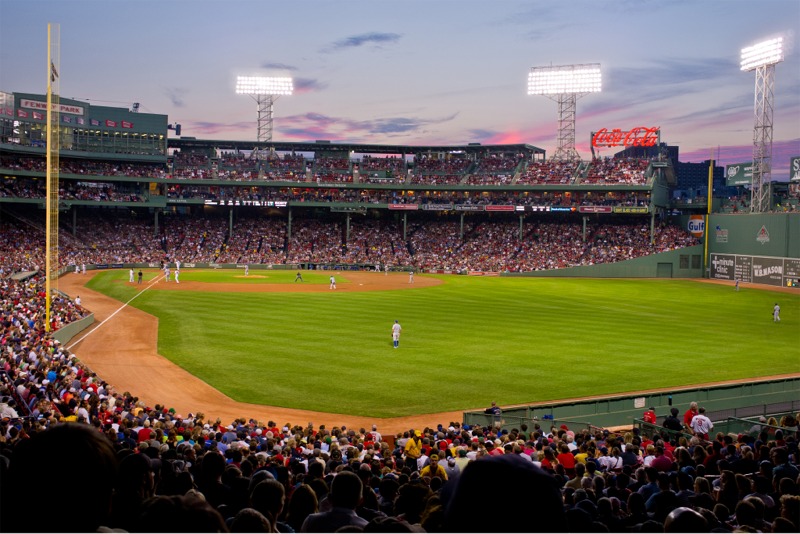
x=396 y=329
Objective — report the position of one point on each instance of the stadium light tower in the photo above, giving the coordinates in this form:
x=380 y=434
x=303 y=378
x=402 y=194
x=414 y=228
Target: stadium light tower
x=565 y=84
x=265 y=90
x=762 y=58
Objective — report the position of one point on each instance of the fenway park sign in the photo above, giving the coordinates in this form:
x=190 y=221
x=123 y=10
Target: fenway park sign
x=639 y=136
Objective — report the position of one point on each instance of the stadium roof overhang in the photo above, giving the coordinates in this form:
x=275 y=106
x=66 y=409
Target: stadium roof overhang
x=327 y=146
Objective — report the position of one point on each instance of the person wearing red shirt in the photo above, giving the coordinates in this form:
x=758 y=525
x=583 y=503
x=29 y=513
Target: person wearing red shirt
x=690 y=413
x=566 y=459
x=145 y=433
x=661 y=462
x=649 y=416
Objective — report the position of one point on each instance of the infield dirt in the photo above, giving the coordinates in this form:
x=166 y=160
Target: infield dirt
x=122 y=348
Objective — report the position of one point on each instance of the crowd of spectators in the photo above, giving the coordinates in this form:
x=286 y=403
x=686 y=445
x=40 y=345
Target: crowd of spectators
x=540 y=243
x=549 y=172
x=134 y=467
x=137 y=467
x=392 y=163
x=616 y=171
x=486 y=169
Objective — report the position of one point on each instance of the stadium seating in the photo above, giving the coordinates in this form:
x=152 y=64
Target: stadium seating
x=68 y=438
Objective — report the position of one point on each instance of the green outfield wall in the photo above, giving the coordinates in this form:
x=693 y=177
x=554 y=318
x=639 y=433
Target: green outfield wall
x=762 y=234
x=758 y=234
x=683 y=263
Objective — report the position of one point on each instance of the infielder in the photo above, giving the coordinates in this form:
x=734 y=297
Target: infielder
x=333 y=282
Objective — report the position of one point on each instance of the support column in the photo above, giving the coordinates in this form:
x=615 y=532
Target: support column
x=653 y=227
x=583 y=232
x=521 y=217
x=155 y=216
x=461 y=228
x=289 y=226
x=74 y=220
x=347 y=230
x=405 y=226
x=230 y=224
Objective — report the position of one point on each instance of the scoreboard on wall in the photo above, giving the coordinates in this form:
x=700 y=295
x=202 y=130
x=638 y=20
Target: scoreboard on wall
x=756 y=269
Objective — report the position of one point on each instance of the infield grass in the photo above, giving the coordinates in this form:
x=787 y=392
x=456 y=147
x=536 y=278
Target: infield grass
x=466 y=342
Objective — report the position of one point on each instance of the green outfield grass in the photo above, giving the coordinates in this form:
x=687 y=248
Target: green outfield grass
x=465 y=342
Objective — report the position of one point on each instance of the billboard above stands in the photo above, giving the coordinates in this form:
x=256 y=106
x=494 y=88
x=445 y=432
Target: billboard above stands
x=739 y=174
x=631 y=209
x=794 y=169
x=594 y=209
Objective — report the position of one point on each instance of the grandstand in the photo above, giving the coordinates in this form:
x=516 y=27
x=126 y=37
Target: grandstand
x=131 y=198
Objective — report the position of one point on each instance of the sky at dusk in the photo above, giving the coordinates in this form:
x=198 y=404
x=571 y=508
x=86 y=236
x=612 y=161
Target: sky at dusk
x=420 y=72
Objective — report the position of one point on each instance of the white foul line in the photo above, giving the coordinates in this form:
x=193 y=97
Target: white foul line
x=125 y=305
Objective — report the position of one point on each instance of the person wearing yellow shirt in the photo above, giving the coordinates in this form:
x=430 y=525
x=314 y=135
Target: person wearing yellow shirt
x=433 y=469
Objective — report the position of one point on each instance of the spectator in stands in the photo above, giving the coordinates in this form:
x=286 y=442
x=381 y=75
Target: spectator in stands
x=685 y=519
x=521 y=490
x=671 y=422
x=784 y=468
x=346 y=494
x=688 y=415
x=68 y=463
x=302 y=503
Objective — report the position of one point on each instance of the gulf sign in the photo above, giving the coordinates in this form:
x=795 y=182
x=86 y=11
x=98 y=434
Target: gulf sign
x=697 y=225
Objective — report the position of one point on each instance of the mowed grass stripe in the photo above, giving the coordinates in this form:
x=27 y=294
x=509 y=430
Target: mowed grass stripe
x=469 y=341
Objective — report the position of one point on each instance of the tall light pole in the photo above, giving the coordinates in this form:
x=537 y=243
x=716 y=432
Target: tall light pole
x=762 y=58
x=265 y=90
x=565 y=84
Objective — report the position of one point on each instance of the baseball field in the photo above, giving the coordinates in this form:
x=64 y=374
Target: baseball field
x=264 y=339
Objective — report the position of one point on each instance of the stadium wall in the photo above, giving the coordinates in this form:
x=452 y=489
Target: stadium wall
x=758 y=234
x=65 y=334
x=763 y=234
x=683 y=263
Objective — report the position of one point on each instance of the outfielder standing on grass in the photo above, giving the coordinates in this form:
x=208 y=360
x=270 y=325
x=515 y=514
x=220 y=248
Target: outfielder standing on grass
x=776 y=313
x=396 y=329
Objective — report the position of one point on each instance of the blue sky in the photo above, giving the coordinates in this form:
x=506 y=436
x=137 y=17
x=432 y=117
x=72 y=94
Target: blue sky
x=419 y=71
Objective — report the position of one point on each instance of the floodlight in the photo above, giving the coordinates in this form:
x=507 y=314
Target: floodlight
x=564 y=79
x=764 y=53
x=264 y=90
x=565 y=84
x=762 y=58
x=263 y=85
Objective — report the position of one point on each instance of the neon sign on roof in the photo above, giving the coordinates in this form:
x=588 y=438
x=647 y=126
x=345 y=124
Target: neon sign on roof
x=639 y=136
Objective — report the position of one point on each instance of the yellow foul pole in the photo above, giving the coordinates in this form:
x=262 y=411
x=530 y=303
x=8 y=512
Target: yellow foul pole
x=53 y=145
x=708 y=209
